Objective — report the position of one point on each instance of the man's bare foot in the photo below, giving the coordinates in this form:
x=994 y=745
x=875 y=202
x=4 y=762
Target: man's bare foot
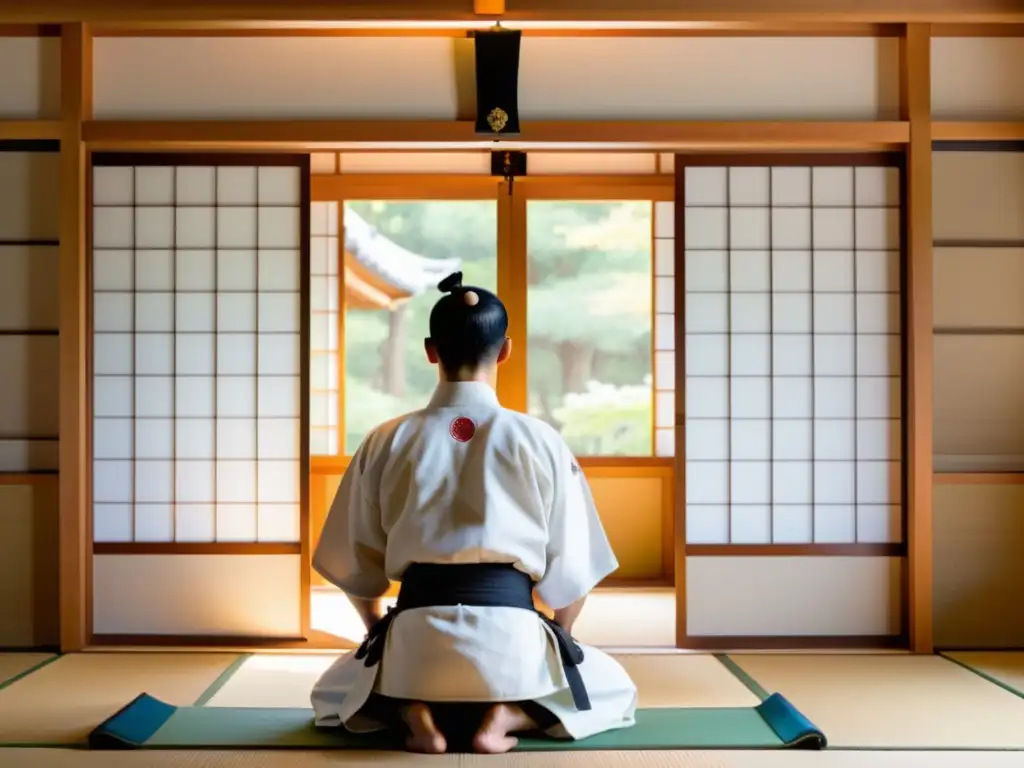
x=424 y=736
x=501 y=720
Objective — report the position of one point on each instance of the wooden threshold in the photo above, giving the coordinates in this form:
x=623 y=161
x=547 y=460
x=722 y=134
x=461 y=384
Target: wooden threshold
x=317 y=640
x=613 y=583
x=307 y=135
x=792 y=643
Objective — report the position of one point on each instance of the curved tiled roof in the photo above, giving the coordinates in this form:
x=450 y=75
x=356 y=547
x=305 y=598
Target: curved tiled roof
x=407 y=271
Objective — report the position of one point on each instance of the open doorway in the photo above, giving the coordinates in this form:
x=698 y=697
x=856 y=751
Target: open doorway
x=585 y=266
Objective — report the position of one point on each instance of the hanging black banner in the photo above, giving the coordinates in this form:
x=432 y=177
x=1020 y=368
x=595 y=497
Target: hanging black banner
x=497 y=81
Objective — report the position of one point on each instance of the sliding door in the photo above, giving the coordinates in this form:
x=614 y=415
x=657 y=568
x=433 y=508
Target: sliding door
x=792 y=371
x=200 y=335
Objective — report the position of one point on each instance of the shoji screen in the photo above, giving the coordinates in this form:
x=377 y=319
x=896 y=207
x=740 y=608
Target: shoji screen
x=197 y=351
x=199 y=396
x=325 y=306
x=792 y=353
x=664 y=329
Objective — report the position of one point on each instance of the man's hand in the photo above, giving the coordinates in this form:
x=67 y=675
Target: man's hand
x=370 y=611
x=566 y=617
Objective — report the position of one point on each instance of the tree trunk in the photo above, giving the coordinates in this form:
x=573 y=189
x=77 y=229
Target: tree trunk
x=394 y=357
x=577 y=365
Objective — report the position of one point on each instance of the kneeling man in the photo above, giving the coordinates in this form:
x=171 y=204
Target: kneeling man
x=471 y=507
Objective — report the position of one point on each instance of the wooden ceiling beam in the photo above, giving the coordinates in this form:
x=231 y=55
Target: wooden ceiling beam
x=890 y=11
x=29 y=130
x=490 y=8
x=620 y=135
x=978 y=131
x=594 y=11
x=722 y=29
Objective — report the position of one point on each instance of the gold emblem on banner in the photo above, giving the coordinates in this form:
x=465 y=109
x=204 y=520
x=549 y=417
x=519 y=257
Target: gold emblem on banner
x=497 y=119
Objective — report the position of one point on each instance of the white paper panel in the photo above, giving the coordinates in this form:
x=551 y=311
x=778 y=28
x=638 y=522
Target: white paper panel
x=758 y=596
x=324 y=322
x=197 y=595
x=793 y=354
x=197 y=321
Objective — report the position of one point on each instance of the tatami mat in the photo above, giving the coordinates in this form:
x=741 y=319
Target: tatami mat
x=681 y=680
x=63 y=701
x=14 y=664
x=268 y=680
x=52 y=758
x=1006 y=667
x=894 y=702
x=685 y=680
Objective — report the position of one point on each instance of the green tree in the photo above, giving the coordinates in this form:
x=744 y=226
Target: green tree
x=589 y=319
x=589 y=315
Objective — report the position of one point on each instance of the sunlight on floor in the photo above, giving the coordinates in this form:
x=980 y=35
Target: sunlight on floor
x=621 y=618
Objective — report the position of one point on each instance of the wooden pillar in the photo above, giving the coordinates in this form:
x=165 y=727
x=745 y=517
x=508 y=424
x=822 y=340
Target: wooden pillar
x=513 y=387
x=75 y=535
x=915 y=104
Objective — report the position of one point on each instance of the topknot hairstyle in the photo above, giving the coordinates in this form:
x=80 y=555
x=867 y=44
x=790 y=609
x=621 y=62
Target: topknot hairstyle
x=467 y=325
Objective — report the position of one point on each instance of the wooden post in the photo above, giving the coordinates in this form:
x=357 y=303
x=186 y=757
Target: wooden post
x=513 y=386
x=915 y=103
x=75 y=535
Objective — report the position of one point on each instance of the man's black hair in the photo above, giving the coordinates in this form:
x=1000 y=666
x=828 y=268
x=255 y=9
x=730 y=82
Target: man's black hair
x=466 y=334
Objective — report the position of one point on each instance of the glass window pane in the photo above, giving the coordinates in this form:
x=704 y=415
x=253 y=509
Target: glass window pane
x=395 y=254
x=589 y=323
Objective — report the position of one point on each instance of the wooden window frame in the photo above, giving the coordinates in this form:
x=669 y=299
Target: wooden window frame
x=511 y=253
x=511 y=199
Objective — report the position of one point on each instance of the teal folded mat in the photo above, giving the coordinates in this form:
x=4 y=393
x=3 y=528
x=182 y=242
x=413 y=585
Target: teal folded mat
x=148 y=723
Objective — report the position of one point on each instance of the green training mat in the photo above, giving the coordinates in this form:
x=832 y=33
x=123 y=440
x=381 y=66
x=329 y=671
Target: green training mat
x=148 y=723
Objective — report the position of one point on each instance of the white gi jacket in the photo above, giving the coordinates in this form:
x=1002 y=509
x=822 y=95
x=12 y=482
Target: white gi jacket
x=467 y=481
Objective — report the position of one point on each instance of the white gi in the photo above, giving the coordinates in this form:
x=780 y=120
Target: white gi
x=419 y=491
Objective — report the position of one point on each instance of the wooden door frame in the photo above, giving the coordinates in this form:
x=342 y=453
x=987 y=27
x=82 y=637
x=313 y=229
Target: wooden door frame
x=512 y=281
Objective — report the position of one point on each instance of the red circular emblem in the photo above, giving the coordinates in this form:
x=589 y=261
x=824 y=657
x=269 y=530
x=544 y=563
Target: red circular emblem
x=462 y=429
